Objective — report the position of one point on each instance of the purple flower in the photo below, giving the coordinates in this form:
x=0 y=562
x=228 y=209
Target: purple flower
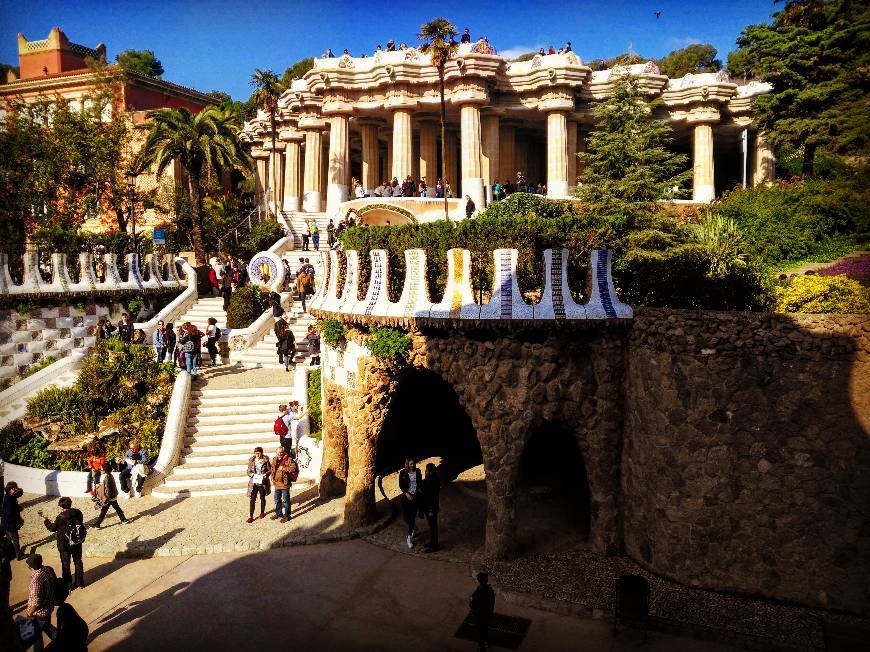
x=857 y=268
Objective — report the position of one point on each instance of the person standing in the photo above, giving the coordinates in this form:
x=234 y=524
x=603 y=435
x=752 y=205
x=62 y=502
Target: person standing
x=136 y=456
x=282 y=427
x=7 y=554
x=431 y=500
x=281 y=481
x=482 y=606
x=330 y=233
x=297 y=415
x=72 y=631
x=303 y=282
x=243 y=273
x=306 y=234
x=227 y=290
x=410 y=484
x=96 y=460
x=11 y=520
x=315 y=236
x=159 y=340
x=286 y=344
x=69 y=531
x=106 y=495
x=275 y=304
x=40 y=597
x=125 y=329
x=169 y=338
x=258 y=482
x=313 y=338
x=212 y=332
x=469 y=206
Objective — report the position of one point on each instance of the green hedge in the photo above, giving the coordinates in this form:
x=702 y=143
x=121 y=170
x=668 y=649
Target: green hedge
x=246 y=305
x=260 y=238
x=315 y=414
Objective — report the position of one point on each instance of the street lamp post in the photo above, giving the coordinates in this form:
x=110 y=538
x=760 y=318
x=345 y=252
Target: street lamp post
x=131 y=187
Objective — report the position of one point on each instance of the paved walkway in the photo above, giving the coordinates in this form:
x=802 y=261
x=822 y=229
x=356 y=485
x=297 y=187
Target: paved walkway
x=345 y=596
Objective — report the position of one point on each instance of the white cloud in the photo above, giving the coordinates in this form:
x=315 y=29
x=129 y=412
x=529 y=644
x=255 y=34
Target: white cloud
x=682 y=41
x=517 y=50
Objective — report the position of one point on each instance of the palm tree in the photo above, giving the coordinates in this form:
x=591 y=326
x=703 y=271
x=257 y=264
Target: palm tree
x=205 y=141
x=267 y=94
x=439 y=40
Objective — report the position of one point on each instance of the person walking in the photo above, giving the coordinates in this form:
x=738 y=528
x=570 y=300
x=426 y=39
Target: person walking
x=40 y=598
x=410 y=484
x=125 y=329
x=281 y=480
x=482 y=607
x=227 y=290
x=330 y=233
x=170 y=338
x=135 y=460
x=72 y=631
x=469 y=206
x=282 y=427
x=191 y=343
x=70 y=532
x=105 y=496
x=258 y=482
x=306 y=234
x=431 y=500
x=275 y=304
x=159 y=341
x=313 y=339
x=96 y=461
x=11 y=520
x=286 y=344
x=303 y=282
x=212 y=333
x=7 y=555
x=315 y=236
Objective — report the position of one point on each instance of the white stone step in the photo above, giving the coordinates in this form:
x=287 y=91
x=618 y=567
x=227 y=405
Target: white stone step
x=233 y=391
x=200 y=440
x=264 y=423
x=196 y=451
x=219 y=489
x=196 y=460
x=204 y=421
x=231 y=410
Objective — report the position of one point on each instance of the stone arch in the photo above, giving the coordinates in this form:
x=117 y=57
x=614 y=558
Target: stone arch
x=379 y=214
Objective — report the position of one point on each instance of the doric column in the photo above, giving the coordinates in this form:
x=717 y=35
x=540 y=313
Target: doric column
x=339 y=163
x=472 y=176
x=261 y=156
x=312 y=185
x=572 y=153
x=370 y=156
x=449 y=171
x=557 y=154
x=276 y=175
x=765 y=161
x=490 y=148
x=581 y=149
x=292 y=153
x=388 y=160
x=403 y=149
x=703 y=189
x=507 y=136
x=429 y=153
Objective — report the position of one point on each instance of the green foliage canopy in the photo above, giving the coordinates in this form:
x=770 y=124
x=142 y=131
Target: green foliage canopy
x=143 y=62
x=697 y=57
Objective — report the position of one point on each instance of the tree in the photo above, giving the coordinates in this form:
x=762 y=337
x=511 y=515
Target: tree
x=199 y=142
x=629 y=166
x=140 y=61
x=697 y=57
x=267 y=94
x=439 y=40
x=296 y=71
x=4 y=70
x=815 y=54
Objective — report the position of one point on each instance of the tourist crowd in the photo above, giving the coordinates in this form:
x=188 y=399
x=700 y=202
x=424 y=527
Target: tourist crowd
x=392 y=47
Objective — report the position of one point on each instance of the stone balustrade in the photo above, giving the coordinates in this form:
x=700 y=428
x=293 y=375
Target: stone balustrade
x=458 y=302
x=156 y=275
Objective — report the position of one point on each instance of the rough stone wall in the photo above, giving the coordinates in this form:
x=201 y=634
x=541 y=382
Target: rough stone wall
x=333 y=470
x=746 y=462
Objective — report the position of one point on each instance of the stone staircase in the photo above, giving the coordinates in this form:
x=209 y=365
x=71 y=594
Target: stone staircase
x=296 y=221
x=223 y=427
x=204 y=307
x=264 y=353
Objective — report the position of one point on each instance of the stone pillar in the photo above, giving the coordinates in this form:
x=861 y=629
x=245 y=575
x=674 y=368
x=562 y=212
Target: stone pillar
x=370 y=156
x=765 y=162
x=312 y=186
x=472 y=176
x=703 y=188
x=429 y=153
x=260 y=174
x=291 y=175
x=449 y=163
x=581 y=149
x=507 y=135
x=490 y=149
x=572 y=153
x=339 y=163
x=403 y=149
x=333 y=469
x=557 y=154
x=388 y=161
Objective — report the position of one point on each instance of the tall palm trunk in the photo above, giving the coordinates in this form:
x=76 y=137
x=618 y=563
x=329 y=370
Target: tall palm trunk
x=275 y=158
x=194 y=181
x=443 y=138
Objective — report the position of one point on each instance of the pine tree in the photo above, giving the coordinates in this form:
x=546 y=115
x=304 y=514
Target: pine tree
x=629 y=166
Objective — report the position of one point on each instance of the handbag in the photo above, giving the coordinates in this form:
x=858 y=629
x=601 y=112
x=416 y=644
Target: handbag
x=257 y=478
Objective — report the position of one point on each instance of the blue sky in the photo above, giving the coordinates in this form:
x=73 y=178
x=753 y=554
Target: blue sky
x=217 y=44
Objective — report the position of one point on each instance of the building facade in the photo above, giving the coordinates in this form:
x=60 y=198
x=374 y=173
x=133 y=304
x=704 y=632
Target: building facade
x=377 y=117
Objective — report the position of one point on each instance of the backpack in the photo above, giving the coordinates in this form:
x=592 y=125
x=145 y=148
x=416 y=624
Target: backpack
x=75 y=532
x=293 y=470
x=280 y=427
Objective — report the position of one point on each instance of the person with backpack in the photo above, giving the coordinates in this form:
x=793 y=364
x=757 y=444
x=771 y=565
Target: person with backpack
x=282 y=427
x=105 y=496
x=303 y=282
x=41 y=598
x=286 y=344
x=212 y=334
x=284 y=472
x=258 y=482
x=70 y=533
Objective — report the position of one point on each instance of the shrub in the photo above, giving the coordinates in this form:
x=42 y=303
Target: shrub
x=856 y=268
x=333 y=332
x=388 y=344
x=246 y=305
x=25 y=307
x=135 y=305
x=315 y=415
x=259 y=238
x=824 y=294
x=722 y=242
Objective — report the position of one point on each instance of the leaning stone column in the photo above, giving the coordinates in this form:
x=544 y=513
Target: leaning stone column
x=291 y=169
x=765 y=161
x=490 y=148
x=339 y=163
x=507 y=135
x=572 y=153
x=312 y=185
x=429 y=153
x=370 y=155
x=703 y=188
x=557 y=154
x=472 y=176
x=403 y=149
x=260 y=156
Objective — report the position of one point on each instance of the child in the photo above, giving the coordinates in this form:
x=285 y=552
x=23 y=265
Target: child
x=96 y=461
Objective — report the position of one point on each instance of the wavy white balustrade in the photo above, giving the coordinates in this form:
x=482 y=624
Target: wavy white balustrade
x=112 y=276
x=414 y=301
x=87 y=279
x=330 y=301
x=507 y=300
x=377 y=300
x=319 y=295
x=350 y=291
x=458 y=301
x=32 y=281
x=556 y=301
x=134 y=274
x=171 y=271
x=60 y=282
x=6 y=283
x=603 y=301
x=154 y=282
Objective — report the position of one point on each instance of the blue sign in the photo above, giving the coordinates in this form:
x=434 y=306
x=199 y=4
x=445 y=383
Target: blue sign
x=159 y=236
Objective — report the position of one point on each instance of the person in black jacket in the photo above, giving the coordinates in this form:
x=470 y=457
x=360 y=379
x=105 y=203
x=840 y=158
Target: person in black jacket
x=61 y=527
x=11 y=520
x=125 y=329
x=411 y=485
x=7 y=554
x=286 y=343
x=275 y=304
x=431 y=498
x=72 y=631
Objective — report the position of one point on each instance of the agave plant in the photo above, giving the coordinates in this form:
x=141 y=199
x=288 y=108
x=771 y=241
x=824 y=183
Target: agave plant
x=722 y=241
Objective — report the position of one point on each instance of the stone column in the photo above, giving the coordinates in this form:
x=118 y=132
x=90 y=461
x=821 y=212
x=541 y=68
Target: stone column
x=472 y=176
x=388 y=161
x=312 y=186
x=339 y=163
x=291 y=174
x=370 y=156
x=703 y=188
x=572 y=153
x=429 y=153
x=507 y=135
x=557 y=154
x=765 y=162
x=260 y=156
x=581 y=149
x=490 y=148
x=402 y=144
x=449 y=163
